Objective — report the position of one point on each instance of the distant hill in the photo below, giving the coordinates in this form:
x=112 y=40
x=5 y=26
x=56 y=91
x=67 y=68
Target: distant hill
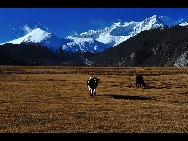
x=7 y=60
x=166 y=46
x=35 y=54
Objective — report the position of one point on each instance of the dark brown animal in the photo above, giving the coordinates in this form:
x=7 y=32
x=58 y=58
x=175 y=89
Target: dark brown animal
x=140 y=81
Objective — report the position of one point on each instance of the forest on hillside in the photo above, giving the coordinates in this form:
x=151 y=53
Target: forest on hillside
x=156 y=47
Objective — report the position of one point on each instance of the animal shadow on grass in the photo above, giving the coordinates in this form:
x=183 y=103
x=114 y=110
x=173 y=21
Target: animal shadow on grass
x=154 y=87
x=150 y=87
x=127 y=97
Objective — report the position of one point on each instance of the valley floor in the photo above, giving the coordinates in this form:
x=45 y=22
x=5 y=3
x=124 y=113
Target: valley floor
x=49 y=99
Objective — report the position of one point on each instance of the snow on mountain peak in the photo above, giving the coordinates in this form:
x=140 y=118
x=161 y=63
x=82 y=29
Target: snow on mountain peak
x=35 y=36
x=94 y=40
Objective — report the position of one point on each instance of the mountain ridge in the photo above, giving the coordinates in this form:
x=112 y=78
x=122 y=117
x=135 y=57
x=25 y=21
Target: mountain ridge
x=159 y=39
x=94 y=41
x=156 y=48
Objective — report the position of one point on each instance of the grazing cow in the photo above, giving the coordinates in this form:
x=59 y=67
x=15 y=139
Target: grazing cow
x=140 y=81
x=92 y=84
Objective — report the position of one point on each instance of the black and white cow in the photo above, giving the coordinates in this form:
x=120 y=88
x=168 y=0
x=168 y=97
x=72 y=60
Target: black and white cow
x=92 y=84
x=140 y=81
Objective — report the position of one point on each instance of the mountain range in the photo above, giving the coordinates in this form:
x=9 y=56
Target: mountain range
x=95 y=41
x=167 y=47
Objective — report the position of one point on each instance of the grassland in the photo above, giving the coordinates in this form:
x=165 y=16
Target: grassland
x=43 y=99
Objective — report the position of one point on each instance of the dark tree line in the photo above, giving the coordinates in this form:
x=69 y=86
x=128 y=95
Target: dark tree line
x=35 y=54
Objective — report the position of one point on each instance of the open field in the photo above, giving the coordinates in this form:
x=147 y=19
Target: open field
x=56 y=100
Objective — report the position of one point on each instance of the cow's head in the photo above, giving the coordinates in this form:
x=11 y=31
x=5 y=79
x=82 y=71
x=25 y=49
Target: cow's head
x=96 y=79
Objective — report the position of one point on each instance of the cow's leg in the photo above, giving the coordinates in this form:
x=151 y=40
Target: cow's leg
x=95 y=92
x=90 y=92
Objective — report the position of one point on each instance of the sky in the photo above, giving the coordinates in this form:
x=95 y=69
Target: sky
x=66 y=21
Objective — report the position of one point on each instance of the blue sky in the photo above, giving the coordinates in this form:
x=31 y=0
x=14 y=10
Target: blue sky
x=64 y=21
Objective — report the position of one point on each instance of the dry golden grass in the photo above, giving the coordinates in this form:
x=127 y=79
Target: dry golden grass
x=56 y=100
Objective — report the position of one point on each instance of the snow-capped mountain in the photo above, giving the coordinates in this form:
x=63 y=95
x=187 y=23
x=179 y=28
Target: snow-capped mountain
x=120 y=32
x=84 y=45
x=96 y=40
x=154 y=48
x=42 y=37
x=36 y=35
x=54 y=43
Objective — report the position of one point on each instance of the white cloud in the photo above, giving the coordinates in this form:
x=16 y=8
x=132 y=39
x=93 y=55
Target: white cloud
x=26 y=29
